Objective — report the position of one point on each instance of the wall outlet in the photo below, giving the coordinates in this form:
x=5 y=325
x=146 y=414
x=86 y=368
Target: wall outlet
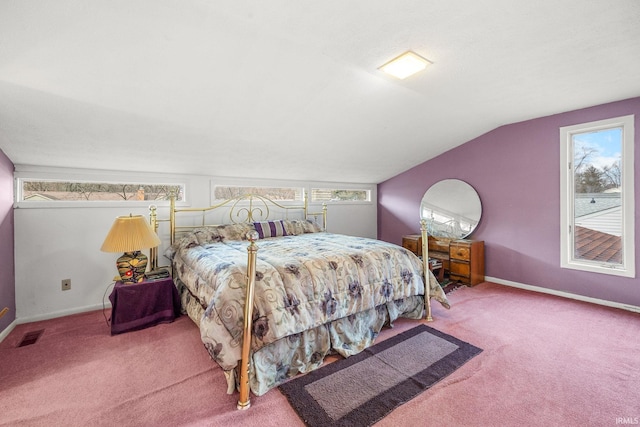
x=66 y=284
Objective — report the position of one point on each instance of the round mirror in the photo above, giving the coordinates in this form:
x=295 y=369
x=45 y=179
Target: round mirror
x=451 y=208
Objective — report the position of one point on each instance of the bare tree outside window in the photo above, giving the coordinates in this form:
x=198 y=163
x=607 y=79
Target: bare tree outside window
x=596 y=195
x=338 y=195
x=222 y=192
x=61 y=191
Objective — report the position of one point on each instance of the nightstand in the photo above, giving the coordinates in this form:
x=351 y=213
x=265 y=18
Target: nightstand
x=140 y=305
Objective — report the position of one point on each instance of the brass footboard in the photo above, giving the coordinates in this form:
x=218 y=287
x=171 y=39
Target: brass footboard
x=244 y=401
x=253 y=208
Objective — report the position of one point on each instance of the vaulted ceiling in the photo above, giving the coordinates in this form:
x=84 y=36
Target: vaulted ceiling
x=291 y=89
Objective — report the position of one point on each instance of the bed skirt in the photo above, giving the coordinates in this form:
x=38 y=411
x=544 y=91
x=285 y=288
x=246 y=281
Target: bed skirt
x=280 y=360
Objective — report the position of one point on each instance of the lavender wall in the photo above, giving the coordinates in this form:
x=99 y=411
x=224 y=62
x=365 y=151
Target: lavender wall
x=7 y=271
x=515 y=170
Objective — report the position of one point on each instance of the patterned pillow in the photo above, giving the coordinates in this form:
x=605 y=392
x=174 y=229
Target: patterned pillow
x=310 y=227
x=186 y=241
x=294 y=227
x=270 y=229
x=234 y=231
x=301 y=226
x=218 y=233
x=207 y=235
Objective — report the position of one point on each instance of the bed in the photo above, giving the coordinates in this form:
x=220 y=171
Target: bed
x=272 y=297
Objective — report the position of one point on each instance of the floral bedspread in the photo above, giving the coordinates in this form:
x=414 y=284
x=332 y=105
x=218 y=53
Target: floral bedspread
x=302 y=282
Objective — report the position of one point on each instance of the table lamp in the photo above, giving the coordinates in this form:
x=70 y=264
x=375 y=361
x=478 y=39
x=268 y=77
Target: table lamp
x=130 y=234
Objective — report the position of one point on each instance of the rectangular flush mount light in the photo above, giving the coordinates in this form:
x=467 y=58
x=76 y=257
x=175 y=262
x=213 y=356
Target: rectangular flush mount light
x=405 y=65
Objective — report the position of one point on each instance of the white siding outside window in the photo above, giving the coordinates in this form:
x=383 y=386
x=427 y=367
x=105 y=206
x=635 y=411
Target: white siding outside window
x=597 y=196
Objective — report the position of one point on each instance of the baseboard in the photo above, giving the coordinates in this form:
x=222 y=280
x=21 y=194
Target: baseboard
x=564 y=294
x=8 y=330
x=62 y=313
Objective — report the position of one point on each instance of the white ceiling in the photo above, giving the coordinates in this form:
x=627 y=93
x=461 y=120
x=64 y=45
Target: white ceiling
x=290 y=89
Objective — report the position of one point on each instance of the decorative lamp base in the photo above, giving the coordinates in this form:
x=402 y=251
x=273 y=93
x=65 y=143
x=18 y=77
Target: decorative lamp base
x=131 y=267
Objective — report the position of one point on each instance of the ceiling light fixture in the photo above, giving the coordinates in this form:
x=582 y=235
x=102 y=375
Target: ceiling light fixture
x=405 y=65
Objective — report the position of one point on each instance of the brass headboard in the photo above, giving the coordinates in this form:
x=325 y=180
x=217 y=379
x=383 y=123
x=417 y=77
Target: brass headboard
x=246 y=208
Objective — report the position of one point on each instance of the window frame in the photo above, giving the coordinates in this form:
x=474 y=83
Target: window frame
x=567 y=197
x=37 y=174
x=306 y=188
x=299 y=190
x=339 y=188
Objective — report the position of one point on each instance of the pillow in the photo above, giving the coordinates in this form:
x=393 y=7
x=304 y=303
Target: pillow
x=270 y=229
x=219 y=233
x=301 y=226
x=187 y=241
x=207 y=235
x=294 y=227
x=234 y=231
x=310 y=227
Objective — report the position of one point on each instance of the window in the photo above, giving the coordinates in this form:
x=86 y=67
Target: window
x=285 y=193
x=597 y=197
x=278 y=194
x=48 y=192
x=339 y=195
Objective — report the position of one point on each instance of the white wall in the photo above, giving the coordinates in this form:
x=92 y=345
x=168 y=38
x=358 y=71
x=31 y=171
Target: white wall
x=52 y=244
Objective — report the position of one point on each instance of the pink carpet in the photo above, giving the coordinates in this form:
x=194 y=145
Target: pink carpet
x=546 y=361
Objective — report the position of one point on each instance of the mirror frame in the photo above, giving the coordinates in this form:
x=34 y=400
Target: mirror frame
x=455 y=200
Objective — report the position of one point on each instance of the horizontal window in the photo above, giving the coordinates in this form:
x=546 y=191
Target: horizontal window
x=224 y=192
x=339 y=195
x=60 y=191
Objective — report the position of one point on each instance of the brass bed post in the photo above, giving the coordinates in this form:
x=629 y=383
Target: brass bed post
x=244 y=402
x=324 y=217
x=306 y=205
x=307 y=214
x=153 y=252
x=172 y=218
x=425 y=267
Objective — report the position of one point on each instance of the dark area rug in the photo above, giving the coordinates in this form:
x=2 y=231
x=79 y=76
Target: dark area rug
x=362 y=389
x=449 y=286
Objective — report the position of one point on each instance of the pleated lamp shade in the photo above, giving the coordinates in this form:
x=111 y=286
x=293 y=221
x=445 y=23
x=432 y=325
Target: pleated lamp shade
x=130 y=234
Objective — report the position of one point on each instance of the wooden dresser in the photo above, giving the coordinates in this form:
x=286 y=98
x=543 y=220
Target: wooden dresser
x=439 y=249
x=413 y=242
x=466 y=261
x=462 y=259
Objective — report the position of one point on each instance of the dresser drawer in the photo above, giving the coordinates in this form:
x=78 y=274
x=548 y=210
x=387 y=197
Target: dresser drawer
x=459 y=250
x=460 y=268
x=467 y=261
x=438 y=245
x=413 y=243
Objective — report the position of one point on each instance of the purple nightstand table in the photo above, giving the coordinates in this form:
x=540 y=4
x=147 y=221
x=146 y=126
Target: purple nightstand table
x=143 y=304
